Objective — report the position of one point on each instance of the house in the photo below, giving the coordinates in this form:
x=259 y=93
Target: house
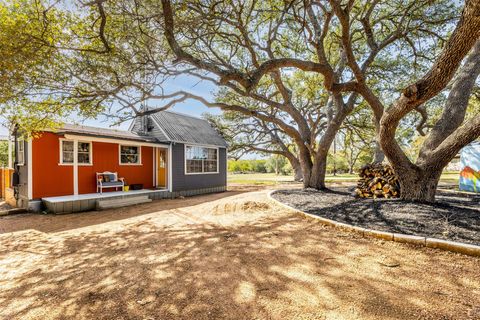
x=165 y=155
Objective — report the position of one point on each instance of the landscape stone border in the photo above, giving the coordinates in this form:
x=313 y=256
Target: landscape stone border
x=453 y=246
x=12 y=211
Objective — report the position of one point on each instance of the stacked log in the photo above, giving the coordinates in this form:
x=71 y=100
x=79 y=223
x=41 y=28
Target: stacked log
x=377 y=180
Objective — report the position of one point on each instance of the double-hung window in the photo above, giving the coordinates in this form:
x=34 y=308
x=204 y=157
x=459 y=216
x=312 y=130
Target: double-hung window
x=84 y=152
x=201 y=160
x=20 y=152
x=130 y=155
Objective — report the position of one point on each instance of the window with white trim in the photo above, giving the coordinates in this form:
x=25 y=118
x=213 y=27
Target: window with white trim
x=130 y=154
x=201 y=159
x=84 y=152
x=20 y=152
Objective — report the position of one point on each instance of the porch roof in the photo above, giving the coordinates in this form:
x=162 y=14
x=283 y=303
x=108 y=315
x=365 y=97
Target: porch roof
x=106 y=133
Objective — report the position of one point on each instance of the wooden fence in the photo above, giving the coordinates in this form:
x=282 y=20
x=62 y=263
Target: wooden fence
x=5 y=180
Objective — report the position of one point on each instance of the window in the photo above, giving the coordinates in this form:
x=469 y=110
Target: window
x=20 y=152
x=84 y=152
x=201 y=160
x=130 y=155
x=67 y=152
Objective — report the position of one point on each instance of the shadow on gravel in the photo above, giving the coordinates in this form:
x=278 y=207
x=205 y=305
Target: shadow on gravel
x=271 y=268
x=55 y=223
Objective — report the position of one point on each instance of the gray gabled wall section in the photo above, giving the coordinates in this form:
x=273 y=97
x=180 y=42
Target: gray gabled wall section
x=181 y=181
x=153 y=131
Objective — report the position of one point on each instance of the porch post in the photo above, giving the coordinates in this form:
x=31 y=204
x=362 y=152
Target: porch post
x=169 y=167
x=29 y=167
x=155 y=167
x=75 y=167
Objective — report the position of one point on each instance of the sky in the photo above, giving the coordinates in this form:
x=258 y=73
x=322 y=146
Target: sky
x=190 y=107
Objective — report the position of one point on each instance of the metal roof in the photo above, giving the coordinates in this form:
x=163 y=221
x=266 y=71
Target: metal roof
x=165 y=126
x=183 y=128
x=104 y=133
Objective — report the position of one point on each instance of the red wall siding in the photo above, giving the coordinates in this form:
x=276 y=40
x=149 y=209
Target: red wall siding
x=51 y=179
x=105 y=158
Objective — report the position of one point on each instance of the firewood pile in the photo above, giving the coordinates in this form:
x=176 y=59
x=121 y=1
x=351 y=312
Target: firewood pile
x=377 y=180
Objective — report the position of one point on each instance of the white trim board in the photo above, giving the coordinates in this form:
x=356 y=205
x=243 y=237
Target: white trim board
x=75 y=167
x=29 y=168
x=170 y=169
x=118 y=141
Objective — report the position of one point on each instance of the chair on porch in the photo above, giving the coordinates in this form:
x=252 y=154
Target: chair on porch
x=109 y=179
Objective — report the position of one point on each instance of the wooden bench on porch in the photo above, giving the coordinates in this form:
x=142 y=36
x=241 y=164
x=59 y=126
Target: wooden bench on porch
x=108 y=179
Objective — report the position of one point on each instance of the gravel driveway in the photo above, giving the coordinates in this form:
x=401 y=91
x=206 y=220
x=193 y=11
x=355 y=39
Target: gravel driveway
x=226 y=256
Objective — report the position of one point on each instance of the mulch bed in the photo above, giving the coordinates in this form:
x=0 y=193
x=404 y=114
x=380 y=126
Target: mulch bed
x=454 y=216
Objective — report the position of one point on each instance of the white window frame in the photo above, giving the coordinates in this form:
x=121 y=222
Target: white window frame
x=200 y=146
x=79 y=163
x=139 y=163
x=20 y=142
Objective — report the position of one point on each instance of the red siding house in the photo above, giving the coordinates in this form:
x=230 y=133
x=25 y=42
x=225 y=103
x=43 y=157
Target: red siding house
x=163 y=155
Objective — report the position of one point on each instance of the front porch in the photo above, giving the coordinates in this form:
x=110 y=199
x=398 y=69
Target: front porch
x=86 y=202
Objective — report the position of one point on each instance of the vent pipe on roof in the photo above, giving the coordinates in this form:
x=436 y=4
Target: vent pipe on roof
x=144 y=124
x=144 y=119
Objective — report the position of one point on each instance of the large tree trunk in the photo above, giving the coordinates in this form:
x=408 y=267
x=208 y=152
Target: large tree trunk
x=378 y=155
x=350 y=169
x=419 y=184
x=296 y=166
x=419 y=181
x=297 y=173
x=317 y=171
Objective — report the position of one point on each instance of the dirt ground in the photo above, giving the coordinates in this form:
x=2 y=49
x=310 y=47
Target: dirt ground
x=454 y=216
x=233 y=255
x=4 y=206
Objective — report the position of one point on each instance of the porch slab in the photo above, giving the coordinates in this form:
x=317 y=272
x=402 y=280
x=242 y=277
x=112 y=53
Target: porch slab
x=94 y=196
x=86 y=202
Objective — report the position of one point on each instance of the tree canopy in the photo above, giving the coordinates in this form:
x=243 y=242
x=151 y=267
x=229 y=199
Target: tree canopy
x=290 y=76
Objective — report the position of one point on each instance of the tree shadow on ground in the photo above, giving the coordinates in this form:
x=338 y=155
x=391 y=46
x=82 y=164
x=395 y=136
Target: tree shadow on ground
x=170 y=266
x=55 y=223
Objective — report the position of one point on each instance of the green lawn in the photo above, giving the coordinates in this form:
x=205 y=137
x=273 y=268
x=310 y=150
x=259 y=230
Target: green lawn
x=272 y=179
x=450 y=177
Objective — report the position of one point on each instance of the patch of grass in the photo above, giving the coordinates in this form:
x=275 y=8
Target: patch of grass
x=258 y=178
x=273 y=179
x=450 y=176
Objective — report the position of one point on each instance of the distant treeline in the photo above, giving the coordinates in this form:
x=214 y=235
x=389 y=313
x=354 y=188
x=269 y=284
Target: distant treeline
x=339 y=163
x=3 y=153
x=277 y=165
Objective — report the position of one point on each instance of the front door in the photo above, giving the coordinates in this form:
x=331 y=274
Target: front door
x=161 y=168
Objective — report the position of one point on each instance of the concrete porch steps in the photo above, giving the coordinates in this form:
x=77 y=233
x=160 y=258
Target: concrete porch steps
x=118 y=203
